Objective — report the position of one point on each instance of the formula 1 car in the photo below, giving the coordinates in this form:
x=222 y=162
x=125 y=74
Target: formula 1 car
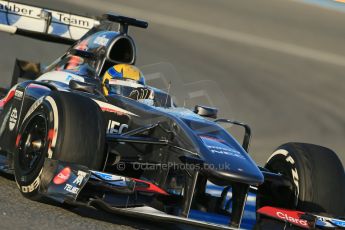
x=63 y=139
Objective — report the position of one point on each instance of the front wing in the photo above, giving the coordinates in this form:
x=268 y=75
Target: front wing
x=71 y=183
x=65 y=182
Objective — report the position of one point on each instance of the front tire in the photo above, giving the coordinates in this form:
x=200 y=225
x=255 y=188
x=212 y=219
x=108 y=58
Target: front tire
x=317 y=175
x=62 y=126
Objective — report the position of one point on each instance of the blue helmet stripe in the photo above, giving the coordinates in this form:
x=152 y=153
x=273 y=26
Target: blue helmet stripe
x=112 y=72
x=142 y=80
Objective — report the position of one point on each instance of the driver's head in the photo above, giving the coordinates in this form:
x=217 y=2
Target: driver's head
x=121 y=79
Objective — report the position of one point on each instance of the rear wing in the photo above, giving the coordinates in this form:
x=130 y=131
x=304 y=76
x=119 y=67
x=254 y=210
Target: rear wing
x=43 y=24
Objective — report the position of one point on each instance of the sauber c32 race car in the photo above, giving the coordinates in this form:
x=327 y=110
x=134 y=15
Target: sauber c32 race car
x=63 y=138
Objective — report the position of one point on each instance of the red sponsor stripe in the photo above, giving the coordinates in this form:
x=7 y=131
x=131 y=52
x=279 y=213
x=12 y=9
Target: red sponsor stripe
x=36 y=86
x=8 y=97
x=149 y=187
x=290 y=216
x=104 y=109
x=18 y=140
x=51 y=134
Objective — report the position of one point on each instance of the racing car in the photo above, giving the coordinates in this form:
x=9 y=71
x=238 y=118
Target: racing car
x=70 y=134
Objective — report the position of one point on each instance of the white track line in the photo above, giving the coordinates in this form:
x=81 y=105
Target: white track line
x=216 y=32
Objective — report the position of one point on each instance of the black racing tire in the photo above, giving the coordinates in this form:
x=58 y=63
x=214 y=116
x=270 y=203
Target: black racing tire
x=317 y=175
x=71 y=129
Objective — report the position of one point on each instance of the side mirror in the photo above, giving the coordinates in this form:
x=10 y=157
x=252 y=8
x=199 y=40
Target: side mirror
x=205 y=111
x=82 y=86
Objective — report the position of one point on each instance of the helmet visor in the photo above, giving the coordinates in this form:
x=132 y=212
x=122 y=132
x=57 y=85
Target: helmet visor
x=123 y=88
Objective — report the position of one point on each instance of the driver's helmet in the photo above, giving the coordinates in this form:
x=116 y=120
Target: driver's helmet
x=122 y=79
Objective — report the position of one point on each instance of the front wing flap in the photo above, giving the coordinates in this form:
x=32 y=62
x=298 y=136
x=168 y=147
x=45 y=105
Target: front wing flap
x=62 y=181
x=66 y=182
x=302 y=219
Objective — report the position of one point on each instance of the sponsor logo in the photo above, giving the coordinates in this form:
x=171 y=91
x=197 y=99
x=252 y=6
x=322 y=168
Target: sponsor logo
x=73 y=20
x=17 y=9
x=294 y=172
x=58 y=17
x=74 y=188
x=63 y=176
x=80 y=178
x=114 y=180
x=211 y=138
x=102 y=41
x=33 y=186
x=107 y=177
x=217 y=146
x=13 y=119
x=294 y=220
x=33 y=107
x=115 y=127
x=18 y=94
x=225 y=151
x=71 y=189
x=290 y=216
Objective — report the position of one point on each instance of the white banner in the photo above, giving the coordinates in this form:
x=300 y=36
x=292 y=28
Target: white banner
x=30 y=18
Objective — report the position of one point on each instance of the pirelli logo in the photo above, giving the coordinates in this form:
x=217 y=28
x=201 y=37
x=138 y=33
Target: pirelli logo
x=35 y=12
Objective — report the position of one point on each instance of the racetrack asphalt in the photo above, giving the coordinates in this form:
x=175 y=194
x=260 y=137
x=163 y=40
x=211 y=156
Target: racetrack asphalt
x=277 y=65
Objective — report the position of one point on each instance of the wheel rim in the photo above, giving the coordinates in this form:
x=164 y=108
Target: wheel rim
x=32 y=144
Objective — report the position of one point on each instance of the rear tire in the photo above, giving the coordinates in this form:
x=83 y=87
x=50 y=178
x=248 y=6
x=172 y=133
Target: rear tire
x=317 y=175
x=71 y=129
